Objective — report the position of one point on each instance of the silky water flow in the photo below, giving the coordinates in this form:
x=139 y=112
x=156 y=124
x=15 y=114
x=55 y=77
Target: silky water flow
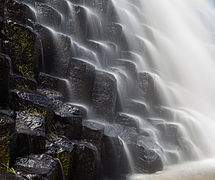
x=168 y=51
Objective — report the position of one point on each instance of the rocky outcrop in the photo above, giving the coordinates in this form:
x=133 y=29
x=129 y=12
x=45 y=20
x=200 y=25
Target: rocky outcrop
x=42 y=68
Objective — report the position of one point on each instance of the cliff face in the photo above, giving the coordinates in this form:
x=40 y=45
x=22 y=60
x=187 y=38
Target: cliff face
x=43 y=136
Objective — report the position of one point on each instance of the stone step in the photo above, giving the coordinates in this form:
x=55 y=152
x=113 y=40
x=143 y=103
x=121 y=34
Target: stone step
x=47 y=81
x=23 y=46
x=104 y=96
x=68 y=120
x=81 y=77
x=33 y=102
x=30 y=129
x=86 y=164
x=48 y=15
x=63 y=149
x=38 y=167
x=51 y=94
x=93 y=131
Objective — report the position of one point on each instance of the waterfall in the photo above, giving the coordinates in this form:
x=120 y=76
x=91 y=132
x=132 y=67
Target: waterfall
x=178 y=47
x=147 y=61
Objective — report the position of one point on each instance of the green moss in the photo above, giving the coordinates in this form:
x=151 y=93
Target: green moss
x=31 y=110
x=5 y=164
x=65 y=161
x=50 y=127
x=23 y=51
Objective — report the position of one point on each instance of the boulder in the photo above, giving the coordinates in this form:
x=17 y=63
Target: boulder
x=4 y=79
x=62 y=148
x=30 y=128
x=38 y=167
x=104 y=96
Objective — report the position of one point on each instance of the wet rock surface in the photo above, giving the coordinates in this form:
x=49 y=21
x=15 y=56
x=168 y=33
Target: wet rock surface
x=63 y=149
x=104 y=95
x=86 y=162
x=93 y=132
x=81 y=77
x=38 y=167
x=22 y=45
x=50 y=82
x=30 y=128
x=68 y=120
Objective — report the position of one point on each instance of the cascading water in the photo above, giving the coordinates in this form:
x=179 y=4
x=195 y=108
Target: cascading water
x=159 y=57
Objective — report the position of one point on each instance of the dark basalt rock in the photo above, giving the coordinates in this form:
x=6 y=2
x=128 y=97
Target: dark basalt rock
x=62 y=53
x=137 y=107
x=114 y=157
x=48 y=16
x=38 y=167
x=126 y=120
x=48 y=43
x=86 y=162
x=23 y=46
x=47 y=81
x=22 y=82
x=93 y=132
x=68 y=120
x=16 y=11
x=33 y=102
x=7 y=127
x=51 y=94
x=4 y=78
x=146 y=160
x=81 y=15
x=147 y=88
x=30 y=133
x=62 y=148
x=114 y=33
x=20 y=100
x=81 y=77
x=111 y=153
x=104 y=96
